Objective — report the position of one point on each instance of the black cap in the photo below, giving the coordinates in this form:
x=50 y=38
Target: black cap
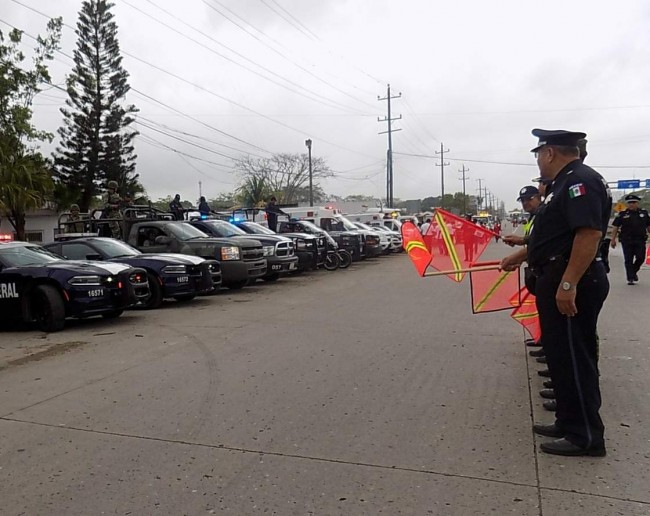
x=632 y=197
x=527 y=192
x=557 y=137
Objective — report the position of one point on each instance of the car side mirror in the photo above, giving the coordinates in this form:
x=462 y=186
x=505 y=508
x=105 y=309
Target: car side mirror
x=93 y=257
x=162 y=240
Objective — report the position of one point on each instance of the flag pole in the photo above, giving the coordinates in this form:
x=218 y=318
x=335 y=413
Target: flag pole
x=460 y=271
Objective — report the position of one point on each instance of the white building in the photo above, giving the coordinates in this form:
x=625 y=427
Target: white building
x=40 y=225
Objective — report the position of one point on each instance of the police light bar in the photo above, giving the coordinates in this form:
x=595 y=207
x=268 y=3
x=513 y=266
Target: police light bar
x=6 y=237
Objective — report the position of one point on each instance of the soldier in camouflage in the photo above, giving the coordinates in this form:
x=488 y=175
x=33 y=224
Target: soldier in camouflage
x=74 y=221
x=112 y=209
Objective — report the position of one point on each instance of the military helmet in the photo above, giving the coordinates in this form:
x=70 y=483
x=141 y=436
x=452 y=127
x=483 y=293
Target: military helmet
x=112 y=184
x=74 y=207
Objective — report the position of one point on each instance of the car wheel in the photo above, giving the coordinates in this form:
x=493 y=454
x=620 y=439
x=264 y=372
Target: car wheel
x=156 y=293
x=48 y=308
x=184 y=297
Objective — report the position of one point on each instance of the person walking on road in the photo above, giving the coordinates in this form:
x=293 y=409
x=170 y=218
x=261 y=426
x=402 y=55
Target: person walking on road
x=634 y=225
x=571 y=288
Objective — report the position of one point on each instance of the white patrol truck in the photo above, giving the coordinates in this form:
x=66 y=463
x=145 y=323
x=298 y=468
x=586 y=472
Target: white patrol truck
x=376 y=219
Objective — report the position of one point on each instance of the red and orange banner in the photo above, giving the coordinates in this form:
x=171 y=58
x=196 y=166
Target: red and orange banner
x=455 y=243
x=526 y=313
x=414 y=245
x=494 y=290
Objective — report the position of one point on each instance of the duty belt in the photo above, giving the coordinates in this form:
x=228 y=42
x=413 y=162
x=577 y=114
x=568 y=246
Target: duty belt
x=538 y=270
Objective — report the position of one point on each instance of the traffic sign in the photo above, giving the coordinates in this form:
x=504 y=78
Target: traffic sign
x=625 y=184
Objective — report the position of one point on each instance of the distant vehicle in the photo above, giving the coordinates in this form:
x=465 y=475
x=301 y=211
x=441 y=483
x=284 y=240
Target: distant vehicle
x=178 y=276
x=39 y=287
x=384 y=240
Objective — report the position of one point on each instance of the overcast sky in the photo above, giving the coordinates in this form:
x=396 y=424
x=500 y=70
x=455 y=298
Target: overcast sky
x=262 y=76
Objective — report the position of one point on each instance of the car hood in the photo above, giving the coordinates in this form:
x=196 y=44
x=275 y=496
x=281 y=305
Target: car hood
x=80 y=267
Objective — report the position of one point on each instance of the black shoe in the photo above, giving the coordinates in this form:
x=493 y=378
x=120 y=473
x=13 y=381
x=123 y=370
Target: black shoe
x=550 y=405
x=537 y=353
x=636 y=277
x=548 y=384
x=532 y=342
x=541 y=360
x=630 y=282
x=564 y=447
x=549 y=394
x=548 y=430
x=545 y=373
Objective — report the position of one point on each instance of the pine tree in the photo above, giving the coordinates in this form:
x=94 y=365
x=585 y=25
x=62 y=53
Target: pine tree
x=96 y=142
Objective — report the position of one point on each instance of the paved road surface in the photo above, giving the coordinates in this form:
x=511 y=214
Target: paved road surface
x=366 y=391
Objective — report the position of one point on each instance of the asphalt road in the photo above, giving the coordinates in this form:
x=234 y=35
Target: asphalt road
x=364 y=391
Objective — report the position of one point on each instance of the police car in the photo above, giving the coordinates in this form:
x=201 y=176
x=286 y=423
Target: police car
x=37 y=286
x=177 y=276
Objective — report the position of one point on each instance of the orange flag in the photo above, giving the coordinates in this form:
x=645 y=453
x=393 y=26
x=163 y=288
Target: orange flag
x=414 y=245
x=526 y=314
x=493 y=290
x=455 y=243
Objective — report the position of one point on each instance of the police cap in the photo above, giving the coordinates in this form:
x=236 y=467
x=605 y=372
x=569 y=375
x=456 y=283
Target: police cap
x=556 y=137
x=74 y=207
x=632 y=198
x=527 y=192
x=112 y=184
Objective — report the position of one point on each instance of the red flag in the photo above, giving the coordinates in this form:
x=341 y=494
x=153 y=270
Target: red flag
x=493 y=290
x=527 y=314
x=414 y=245
x=455 y=243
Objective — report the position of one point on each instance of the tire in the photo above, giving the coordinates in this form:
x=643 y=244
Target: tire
x=272 y=277
x=113 y=315
x=155 y=298
x=345 y=258
x=183 y=298
x=332 y=262
x=48 y=308
x=236 y=285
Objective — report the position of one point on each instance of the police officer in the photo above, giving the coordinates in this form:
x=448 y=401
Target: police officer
x=571 y=288
x=634 y=225
x=530 y=200
x=176 y=207
x=112 y=209
x=272 y=212
x=74 y=221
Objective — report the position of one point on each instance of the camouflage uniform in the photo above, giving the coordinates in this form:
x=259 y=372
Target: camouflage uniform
x=112 y=209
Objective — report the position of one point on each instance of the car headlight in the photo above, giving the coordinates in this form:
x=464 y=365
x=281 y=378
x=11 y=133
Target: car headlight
x=230 y=253
x=269 y=250
x=86 y=281
x=175 y=269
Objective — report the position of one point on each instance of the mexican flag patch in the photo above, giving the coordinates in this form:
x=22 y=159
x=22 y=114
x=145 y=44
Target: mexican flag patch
x=577 y=190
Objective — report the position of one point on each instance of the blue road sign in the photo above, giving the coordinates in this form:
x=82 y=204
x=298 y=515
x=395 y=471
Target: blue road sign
x=625 y=184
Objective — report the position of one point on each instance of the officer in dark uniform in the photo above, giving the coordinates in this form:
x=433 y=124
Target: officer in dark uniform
x=571 y=288
x=634 y=225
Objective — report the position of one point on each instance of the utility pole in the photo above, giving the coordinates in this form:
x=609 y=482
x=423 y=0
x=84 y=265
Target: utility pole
x=389 y=159
x=200 y=193
x=442 y=166
x=479 y=205
x=311 y=188
x=464 y=178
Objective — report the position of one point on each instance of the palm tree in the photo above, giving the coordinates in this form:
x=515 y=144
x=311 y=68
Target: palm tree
x=25 y=184
x=252 y=191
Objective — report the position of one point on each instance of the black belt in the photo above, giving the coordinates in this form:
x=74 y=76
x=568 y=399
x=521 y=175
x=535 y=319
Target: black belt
x=538 y=270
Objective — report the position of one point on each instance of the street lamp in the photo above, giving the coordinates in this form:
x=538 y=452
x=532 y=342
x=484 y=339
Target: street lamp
x=311 y=189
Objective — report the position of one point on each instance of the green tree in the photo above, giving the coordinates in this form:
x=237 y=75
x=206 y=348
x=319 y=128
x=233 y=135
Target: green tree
x=25 y=179
x=283 y=175
x=96 y=140
x=253 y=191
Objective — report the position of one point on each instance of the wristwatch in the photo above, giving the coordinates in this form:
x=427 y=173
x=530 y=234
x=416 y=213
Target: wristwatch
x=566 y=286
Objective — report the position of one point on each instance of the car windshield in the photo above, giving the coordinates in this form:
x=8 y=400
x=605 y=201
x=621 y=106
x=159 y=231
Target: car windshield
x=184 y=231
x=349 y=226
x=257 y=228
x=225 y=229
x=310 y=227
x=363 y=226
x=114 y=248
x=16 y=256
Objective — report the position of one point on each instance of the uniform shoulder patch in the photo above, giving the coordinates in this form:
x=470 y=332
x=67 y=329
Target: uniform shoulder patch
x=577 y=190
